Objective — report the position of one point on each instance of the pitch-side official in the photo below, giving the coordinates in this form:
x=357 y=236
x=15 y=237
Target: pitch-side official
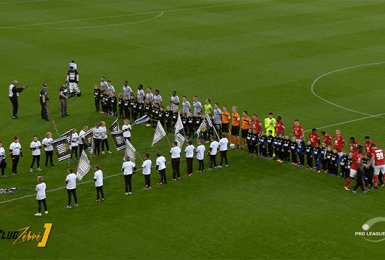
x=43 y=102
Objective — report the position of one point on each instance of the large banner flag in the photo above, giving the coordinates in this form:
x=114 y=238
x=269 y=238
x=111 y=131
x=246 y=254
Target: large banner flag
x=89 y=135
x=130 y=151
x=201 y=128
x=142 y=120
x=115 y=126
x=62 y=148
x=119 y=140
x=178 y=125
x=210 y=124
x=84 y=166
x=68 y=135
x=180 y=140
x=159 y=133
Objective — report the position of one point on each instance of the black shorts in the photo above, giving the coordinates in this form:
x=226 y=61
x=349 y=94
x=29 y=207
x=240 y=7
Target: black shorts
x=244 y=133
x=235 y=130
x=225 y=128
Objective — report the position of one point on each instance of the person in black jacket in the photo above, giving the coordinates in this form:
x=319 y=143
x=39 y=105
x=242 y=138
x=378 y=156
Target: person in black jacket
x=14 y=95
x=43 y=102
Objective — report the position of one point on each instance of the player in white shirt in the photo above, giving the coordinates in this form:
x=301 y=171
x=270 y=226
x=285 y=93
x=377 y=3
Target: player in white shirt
x=74 y=144
x=197 y=106
x=81 y=140
x=175 y=161
x=103 y=84
x=147 y=171
x=40 y=196
x=174 y=101
x=127 y=90
x=189 y=150
x=35 y=148
x=200 y=155
x=97 y=138
x=47 y=143
x=161 y=168
x=110 y=88
x=126 y=128
x=140 y=94
x=213 y=153
x=103 y=134
x=217 y=119
x=128 y=169
x=186 y=105
x=149 y=95
x=3 y=162
x=71 y=187
x=158 y=98
x=98 y=178
x=16 y=152
x=223 y=150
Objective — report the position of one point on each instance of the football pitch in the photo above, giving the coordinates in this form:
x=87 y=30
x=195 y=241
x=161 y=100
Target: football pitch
x=319 y=61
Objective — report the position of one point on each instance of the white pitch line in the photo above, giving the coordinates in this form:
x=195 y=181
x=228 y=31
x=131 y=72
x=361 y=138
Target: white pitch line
x=125 y=15
x=350 y=121
x=334 y=71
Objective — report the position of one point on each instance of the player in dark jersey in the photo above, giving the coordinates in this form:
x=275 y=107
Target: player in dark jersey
x=113 y=104
x=133 y=107
x=254 y=142
x=97 y=97
x=309 y=155
x=317 y=154
x=262 y=145
x=250 y=146
x=190 y=125
x=294 y=151
x=279 y=143
x=270 y=140
x=161 y=115
x=197 y=122
x=168 y=118
x=334 y=160
x=286 y=149
x=343 y=163
x=301 y=151
x=121 y=106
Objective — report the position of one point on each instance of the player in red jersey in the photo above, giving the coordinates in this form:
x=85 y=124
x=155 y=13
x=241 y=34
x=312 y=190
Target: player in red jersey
x=356 y=166
x=368 y=144
x=256 y=123
x=353 y=144
x=377 y=155
x=327 y=138
x=339 y=141
x=298 y=131
x=314 y=137
x=279 y=126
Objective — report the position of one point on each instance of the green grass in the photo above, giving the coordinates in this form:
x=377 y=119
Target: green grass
x=262 y=57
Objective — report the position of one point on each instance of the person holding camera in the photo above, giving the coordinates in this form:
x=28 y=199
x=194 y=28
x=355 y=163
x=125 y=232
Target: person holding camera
x=43 y=102
x=14 y=95
x=63 y=95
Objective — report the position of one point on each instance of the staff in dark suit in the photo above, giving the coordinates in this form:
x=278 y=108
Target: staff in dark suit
x=14 y=95
x=43 y=102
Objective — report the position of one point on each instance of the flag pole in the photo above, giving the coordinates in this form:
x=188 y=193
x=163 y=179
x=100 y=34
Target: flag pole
x=139 y=155
x=168 y=141
x=216 y=132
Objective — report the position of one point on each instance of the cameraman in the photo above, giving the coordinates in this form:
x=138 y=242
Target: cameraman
x=43 y=102
x=14 y=95
x=63 y=95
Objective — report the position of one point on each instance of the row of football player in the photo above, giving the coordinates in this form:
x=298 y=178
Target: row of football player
x=78 y=144
x=322 y=158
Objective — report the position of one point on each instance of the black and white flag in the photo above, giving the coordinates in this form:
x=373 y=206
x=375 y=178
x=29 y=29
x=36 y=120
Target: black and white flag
x=62 y=148
x=180 y=140
x=115 y=126
x=68 y=135
x=142 y=120
x=159 y=133
x=84 y=166
x=88 y=136
x=178 y=125
x=201 y=128
x=130 y=151
x=119 y=140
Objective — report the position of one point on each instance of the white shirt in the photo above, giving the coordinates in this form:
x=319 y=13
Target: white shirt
x=82 y=134
x=146 y=167
x=189 y=151
x=186 y=107
x=175 y=152
x=98 y=177
x=128 y=167
x=71 y=178
x=127 y=91
x=173 y=101
x=36 y=145
x=128 y=132
x=97 y=133
x=11 y=92
x=197 y=107
x=217 y=116
x=223 y=144
x=139 y=95
x=104 y=84
x=158 y=99
x=47 y=141
x=110 y=89
x=214 y=148
x=2 y=154
x=15 y=147
x=161 y=163
x=103 y=132
x=75 y=139
x=150 y=97
x=200 y=152
x=40 y=191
